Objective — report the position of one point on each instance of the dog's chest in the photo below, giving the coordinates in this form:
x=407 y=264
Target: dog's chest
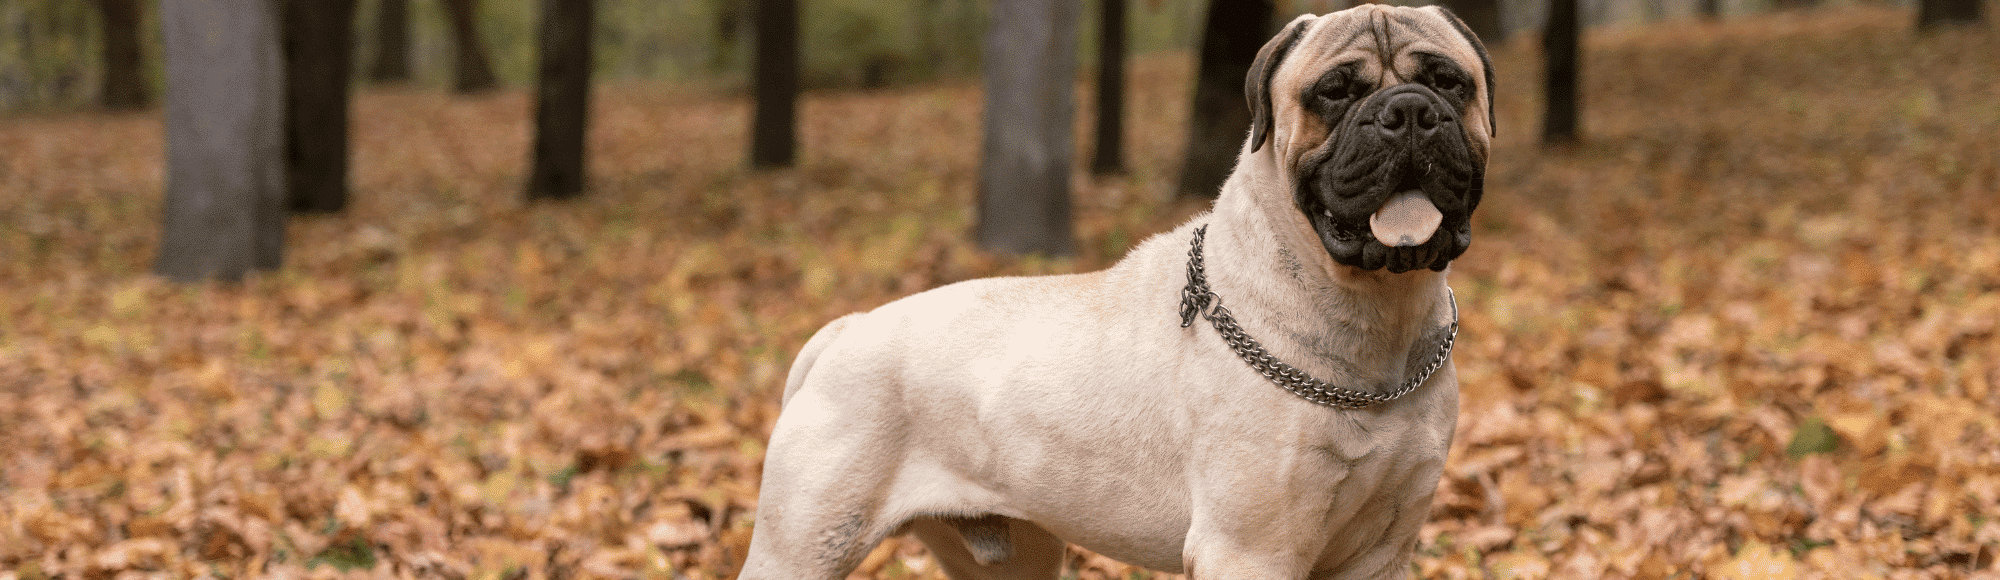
x=1332 y=481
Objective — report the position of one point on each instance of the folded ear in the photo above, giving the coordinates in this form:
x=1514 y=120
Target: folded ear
x=1485 y=62
x=1258 y=87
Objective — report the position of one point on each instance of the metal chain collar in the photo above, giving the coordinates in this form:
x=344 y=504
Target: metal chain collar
x=1198 y=298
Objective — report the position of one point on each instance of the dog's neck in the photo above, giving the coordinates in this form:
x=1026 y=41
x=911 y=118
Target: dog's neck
x=1340 y=323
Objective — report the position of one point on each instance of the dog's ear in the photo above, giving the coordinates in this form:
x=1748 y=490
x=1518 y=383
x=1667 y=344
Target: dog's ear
x=1258 y=87
x=1485 y=63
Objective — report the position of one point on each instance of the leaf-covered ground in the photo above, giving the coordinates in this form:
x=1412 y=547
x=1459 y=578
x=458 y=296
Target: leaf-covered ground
x=1746 y=331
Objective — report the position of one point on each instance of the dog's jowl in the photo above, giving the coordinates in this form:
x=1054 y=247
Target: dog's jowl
x=1264 y=392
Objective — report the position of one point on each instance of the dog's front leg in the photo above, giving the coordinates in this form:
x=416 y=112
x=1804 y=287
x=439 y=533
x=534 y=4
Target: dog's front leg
x=1260 y=511
x=1316 y=509
x=1221 y=549
x=1289 y=552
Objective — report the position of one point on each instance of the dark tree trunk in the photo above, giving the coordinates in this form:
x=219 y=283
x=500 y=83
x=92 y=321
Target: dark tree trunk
x=773 y=128
x=1110 y=153
x=319 y=60
x=1483 y=17
x=224 y=213
x=1030 y=70
x=562 y=99
x=474 y=74
x=1559 y=45
x=1932 y=13
x=1219 y=120
x=124 y=65
x=392 y=43
x=1708 y=9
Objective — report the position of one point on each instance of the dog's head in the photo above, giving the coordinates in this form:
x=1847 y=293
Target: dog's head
x=1382 y=116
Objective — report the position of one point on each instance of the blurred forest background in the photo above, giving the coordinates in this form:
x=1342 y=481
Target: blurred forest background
x=1742 y=326
x=50 y=49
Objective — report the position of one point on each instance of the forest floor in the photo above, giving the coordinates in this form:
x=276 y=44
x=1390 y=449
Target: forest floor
x=1747 y=329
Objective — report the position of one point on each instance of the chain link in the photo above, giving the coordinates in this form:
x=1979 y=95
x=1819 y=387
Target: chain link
x=1198 y=298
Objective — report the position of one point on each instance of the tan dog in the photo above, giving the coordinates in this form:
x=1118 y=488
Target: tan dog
x=997 y=418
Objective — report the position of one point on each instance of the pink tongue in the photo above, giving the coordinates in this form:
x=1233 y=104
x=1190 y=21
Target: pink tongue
x=1406 y=220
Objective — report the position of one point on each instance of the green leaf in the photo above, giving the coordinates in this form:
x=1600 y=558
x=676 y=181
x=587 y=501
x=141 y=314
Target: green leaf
x=1812 y=436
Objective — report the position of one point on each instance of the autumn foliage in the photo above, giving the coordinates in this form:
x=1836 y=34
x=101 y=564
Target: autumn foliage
x=1746 y=329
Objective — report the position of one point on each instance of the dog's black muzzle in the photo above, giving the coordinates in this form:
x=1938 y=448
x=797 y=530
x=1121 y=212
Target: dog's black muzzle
x=1403 y=138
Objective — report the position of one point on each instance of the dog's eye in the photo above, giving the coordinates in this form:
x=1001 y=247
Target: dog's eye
x=1334 y=90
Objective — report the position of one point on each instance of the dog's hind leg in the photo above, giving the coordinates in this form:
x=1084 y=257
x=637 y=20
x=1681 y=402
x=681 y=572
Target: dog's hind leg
x=808 y=354
x=1011 y=549
x=816 y=520
x=810 y=553
x=828 y=472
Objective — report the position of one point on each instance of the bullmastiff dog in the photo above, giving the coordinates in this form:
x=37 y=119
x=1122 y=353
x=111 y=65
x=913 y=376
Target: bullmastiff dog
x=1265 y=392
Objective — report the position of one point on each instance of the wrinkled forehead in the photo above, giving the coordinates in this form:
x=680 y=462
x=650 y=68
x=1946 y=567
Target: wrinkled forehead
x=1383 y=41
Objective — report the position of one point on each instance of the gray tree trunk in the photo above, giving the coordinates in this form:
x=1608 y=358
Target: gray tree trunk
x=392 y=43
x=225 y=204
x=1108 y=157
x=1219 y=120
x=1932 y=13
x=562 y=100
x=319 y=60
x=1483 y=17
x=473 y=74
x=124 y=63
x=1563 y=98
x=1030 y=70
x=775 y=80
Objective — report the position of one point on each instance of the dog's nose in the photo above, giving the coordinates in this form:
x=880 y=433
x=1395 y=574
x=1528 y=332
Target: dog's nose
x=1408 y=112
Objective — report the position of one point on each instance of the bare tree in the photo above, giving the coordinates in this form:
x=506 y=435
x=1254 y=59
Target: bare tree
x=1108 y=157
x=224 y=213
x=562 y=100
x=1933 y=13
x=773 y=129
x=124 y=86
x=1559 y=46
x=319 y=60
x=1482 y=16
x=474 y=74
x=1219 y=119
x=1030 y=70
x=392 y=42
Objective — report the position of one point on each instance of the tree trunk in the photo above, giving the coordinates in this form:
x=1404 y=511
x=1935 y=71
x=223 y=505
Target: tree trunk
x=1708 y=9
x=474 y=74
x=1110 y=152
x=124 y=65
x=562 y=99
x=1219 y=120
x=1483 y=17
x=773 y=129
x=392 y=43
x=1030 y=71
x=1932 y=13
x=1559 y=45
x=224 y=213
x=319 y=59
